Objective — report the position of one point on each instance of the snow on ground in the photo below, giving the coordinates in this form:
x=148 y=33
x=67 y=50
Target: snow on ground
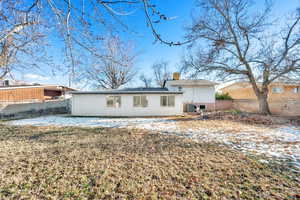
x=84 y=121
x=282 y=142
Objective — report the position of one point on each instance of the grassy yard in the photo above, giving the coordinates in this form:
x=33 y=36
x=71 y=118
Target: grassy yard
x=107 y=163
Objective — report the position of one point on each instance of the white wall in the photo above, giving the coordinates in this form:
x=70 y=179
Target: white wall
x=196 y=94
x=95 y=105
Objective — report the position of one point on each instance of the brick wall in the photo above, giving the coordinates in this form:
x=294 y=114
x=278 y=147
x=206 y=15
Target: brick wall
x=223 y=104
x=285 y=108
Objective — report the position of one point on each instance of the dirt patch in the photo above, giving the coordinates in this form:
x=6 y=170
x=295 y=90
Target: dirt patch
x=111 y=163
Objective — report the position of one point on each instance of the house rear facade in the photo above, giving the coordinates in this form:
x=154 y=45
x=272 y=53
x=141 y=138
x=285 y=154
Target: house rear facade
x=170 y=100
x=127 y=103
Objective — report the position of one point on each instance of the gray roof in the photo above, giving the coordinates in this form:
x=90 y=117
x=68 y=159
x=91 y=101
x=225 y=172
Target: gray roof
x=150 y=89
x=139 y=90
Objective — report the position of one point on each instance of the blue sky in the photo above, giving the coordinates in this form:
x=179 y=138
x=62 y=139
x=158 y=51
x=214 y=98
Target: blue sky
x=149 y=52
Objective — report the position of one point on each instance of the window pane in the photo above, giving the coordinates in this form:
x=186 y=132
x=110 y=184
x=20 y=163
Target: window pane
x=113 y=101
x=144 y=102
x=163 y=101
x=171 y=100
x=277 y=89
x=110 y=102
x=117 y=101
x=136 y=101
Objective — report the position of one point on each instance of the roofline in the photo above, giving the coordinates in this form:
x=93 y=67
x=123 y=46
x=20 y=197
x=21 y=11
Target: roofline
x=126 y=92
x=32 y=86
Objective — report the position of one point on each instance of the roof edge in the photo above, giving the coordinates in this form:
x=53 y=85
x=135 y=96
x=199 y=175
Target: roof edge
x=125 y=92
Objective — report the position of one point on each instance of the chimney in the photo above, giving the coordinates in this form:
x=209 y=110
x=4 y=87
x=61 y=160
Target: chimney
x=6 y=83
x=176 y=76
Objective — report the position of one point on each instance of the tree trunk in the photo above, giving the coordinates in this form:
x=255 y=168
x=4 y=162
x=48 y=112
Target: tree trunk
x=263 y=104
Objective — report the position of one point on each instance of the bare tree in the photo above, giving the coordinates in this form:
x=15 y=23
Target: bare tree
x=20 y=36
x=116 y=68
x=239 y=44
x=161 y=72
x=81 y=25
x=146 y=81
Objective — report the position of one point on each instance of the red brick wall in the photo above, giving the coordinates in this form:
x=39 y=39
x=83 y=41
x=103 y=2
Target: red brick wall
x=223 y=104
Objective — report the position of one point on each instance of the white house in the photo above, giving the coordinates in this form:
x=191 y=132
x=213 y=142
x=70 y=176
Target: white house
x=169 y=100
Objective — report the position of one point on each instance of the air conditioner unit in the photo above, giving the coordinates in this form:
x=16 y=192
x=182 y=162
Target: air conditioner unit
x=191 y=108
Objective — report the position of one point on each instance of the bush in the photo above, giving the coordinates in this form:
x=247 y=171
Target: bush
x=225 y=96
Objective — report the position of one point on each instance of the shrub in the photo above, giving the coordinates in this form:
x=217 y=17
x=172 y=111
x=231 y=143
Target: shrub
x=225 y=96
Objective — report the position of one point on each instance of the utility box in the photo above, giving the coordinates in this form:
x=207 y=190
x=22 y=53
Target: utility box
x=191 y=108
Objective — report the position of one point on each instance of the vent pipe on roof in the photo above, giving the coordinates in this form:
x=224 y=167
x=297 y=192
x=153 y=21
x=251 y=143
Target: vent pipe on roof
x=176 y=76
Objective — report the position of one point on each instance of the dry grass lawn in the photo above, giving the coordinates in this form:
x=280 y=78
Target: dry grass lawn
x=106 y=163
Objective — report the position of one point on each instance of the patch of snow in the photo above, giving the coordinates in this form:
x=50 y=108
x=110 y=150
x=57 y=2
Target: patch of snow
x=62 y=121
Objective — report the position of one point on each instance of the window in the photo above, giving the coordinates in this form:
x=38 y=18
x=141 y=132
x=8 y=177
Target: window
x=167 y=101
x=296 y=90
x=113 y=101
x=140 y=101
x=277 y=90
x=180 y=88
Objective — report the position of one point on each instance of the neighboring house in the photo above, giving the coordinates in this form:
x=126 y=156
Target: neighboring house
x=166 y=101
x=278 y=91
x=31 y=93
x=284 y=97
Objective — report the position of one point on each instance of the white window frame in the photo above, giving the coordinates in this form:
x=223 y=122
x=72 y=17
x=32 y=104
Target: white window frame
x=116 y=101
x=140 y=103
x=169 y=102
x=296 y=90
x=277 y=89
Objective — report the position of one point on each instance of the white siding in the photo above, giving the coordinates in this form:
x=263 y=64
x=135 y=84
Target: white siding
x=95 y=105
x=196 y=94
